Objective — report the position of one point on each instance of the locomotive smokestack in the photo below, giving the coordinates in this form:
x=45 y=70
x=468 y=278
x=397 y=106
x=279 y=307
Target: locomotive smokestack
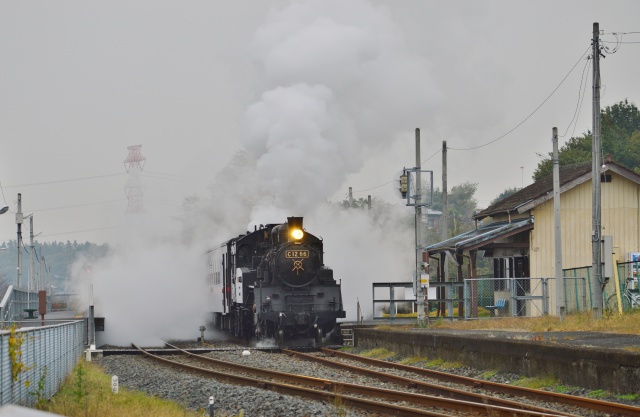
x=294 y=222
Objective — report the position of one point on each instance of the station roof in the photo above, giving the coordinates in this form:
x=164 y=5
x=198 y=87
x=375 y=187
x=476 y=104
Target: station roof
x=481 y=236
x=542 y=190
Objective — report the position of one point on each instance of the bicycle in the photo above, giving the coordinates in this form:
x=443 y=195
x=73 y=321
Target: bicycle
x=629 y=297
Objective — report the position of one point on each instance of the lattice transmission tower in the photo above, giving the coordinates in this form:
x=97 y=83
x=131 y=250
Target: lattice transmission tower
x=134 y=189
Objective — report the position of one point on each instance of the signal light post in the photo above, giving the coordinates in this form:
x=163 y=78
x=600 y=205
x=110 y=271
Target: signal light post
x=421 y=279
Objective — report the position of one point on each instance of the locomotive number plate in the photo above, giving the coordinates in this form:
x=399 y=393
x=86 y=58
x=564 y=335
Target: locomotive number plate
x=297 y=254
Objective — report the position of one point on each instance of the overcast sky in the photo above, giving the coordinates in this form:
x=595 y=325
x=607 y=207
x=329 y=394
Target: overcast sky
x=195 y=82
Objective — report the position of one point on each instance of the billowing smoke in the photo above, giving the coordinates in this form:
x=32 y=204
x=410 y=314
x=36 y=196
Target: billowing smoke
x=335 y=82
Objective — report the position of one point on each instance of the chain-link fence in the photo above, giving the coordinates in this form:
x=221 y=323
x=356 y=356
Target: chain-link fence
x=34 y=361
x=487 y=297
x=627 y=291
x=506 y=297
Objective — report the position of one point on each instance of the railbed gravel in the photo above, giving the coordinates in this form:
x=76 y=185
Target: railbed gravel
x=192 y=391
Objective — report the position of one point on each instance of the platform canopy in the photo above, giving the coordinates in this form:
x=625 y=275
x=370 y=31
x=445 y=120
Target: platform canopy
x=483 y=237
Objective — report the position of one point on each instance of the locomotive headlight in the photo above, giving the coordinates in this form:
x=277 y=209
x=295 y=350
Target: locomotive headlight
x=297 y=234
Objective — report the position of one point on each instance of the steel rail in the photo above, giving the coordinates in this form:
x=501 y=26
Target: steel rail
x=547 y=396
x=361 y=403
x=429 y=387
x=473 y=407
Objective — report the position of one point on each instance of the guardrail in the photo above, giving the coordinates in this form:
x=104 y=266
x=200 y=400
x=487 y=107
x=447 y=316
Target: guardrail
x=16 y=302
x=34 y=361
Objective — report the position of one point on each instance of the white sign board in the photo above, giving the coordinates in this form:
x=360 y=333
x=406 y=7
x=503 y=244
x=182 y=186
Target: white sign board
x=114 y=384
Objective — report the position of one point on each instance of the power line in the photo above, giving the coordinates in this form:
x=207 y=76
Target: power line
x=3 y=197
x=387 y=183
x=81 y=205
x=61 y=181
x=373 y=188
x=531 y=114
x=581 y=95
x=519 y=124
x=78 y=231
x=158 y=175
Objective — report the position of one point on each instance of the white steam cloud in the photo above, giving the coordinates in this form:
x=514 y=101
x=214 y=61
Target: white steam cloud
x=336 y=82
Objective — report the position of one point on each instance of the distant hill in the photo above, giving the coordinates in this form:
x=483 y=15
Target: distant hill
x=58 y=258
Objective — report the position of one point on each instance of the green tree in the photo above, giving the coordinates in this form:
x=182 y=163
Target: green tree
x=619 y=126
x=506 y=193
x=462 y=206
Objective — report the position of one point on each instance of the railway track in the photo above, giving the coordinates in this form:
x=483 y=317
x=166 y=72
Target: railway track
x=359 y=396
x=606 y=407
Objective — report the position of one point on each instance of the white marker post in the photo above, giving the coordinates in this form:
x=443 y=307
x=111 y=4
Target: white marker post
x=114 y=384
x=211 y=409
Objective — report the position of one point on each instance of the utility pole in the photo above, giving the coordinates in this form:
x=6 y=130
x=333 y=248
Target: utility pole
x=419 y=241
x=350 y=197
x=19 y=223
x=41 y=280
x=560 y=302
x=32 y=268
x=445 y=208
x=595 y=178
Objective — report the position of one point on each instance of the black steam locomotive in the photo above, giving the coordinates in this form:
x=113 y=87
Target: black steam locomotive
x=272 y=284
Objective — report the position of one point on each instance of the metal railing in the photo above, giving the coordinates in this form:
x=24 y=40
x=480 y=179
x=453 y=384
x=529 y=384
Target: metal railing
x=16 y=301
x=479 y=297
x=48 y=354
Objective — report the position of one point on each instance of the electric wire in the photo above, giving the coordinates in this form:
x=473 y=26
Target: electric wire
x=531 y=114
x=389 y=182
x=79 y=231
x=66 y=180
x=35 y=252
x=581 y=94
x=4 y=198
x=578 y=106
x=82 y=205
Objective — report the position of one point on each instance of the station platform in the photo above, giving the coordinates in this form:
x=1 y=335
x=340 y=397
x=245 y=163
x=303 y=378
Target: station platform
x=595 y=360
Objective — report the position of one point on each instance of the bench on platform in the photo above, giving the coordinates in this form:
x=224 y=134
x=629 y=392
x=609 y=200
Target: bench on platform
x=500 y=304
x=30 y=312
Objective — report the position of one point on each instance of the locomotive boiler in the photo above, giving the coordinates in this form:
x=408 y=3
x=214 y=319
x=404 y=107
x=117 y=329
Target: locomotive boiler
x=272 y=284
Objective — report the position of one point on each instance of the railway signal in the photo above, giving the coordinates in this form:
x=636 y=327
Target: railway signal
x=403 y=185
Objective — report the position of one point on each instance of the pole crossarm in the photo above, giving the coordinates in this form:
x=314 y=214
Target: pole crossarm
x=417 y=199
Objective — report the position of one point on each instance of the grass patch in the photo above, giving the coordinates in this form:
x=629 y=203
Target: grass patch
x=440 y=363
x=628 y=397
x=87 y=392
x=488 y=374
x=537 y=382
x=435 y=363
x=412 y=360
x=628 y=323
x=598 y=394
x=379 y=353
